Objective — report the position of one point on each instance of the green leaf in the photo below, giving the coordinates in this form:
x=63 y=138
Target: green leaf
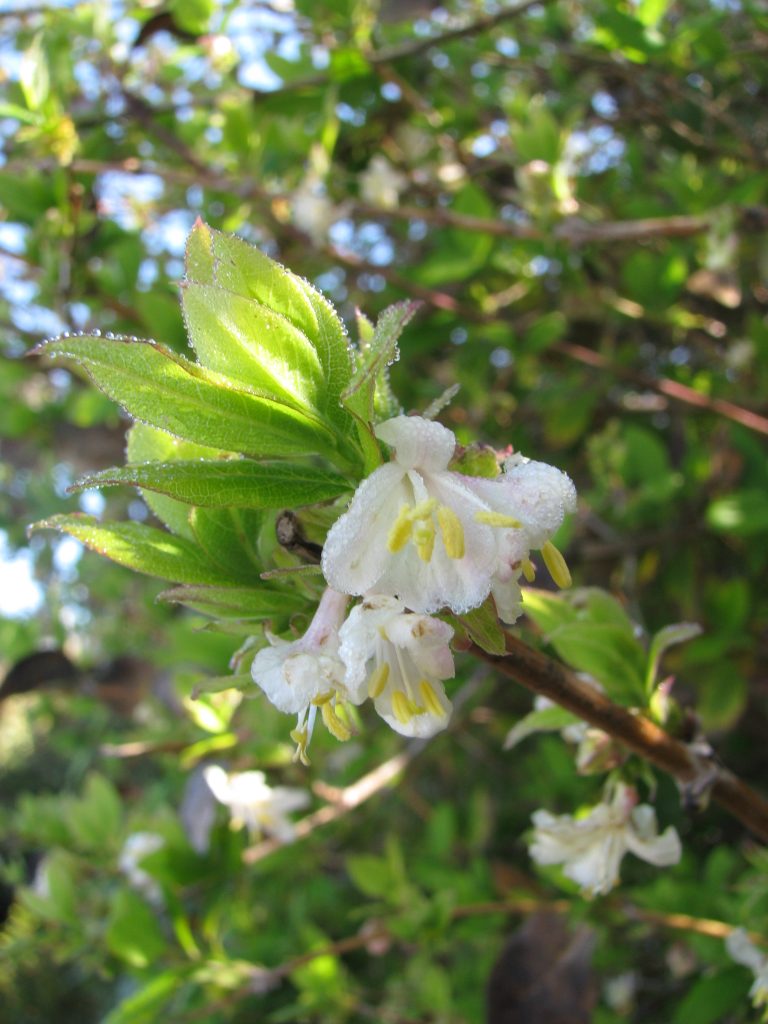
x=667 y=637
x=377 y=353
x=148 y=444
x=193 y=16
x=744 y=513
x=229 y=537
x=240 y=483
x=144 y=1006
x=605 y=652
x=482 y=625
x=713 y=997
x=136 y=546
x=547 y=611
x=235 y=602
x=94 y=818
x=541 y=720
x=372 y=875
x=214 y=258
x=251 y=343
x=133 y=932
x=34 y=76
x=161 y=388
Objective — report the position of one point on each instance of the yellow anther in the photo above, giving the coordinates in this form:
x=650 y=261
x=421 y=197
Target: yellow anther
x=556 y=564
x=430 y=699
x=334 y=724
x=403 y=706
x=323 y=698
x=529 y=570
x=401 y=531
x=452 y=531
x=424 y=509
x=498 y=519
x=378 y=680
x=301 y=738
x=424 y=539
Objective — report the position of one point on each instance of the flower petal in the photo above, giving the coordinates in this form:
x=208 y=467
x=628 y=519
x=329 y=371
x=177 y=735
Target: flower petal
x=418 y=442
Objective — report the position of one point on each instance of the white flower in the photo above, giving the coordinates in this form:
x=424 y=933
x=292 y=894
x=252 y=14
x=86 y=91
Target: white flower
x=312 y=210
x=410 y=530
x=381 y=183
x=135 y=848
x=591 y=848
x=434 y=538
x=254 y=804
x=399 y=659
x=528 y=503
x=301 y=676
x=743 y=951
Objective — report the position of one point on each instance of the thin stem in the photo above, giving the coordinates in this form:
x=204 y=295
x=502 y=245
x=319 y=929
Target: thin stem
x=699 y=774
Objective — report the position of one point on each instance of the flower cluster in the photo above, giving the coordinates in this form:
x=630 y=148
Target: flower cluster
x=418 y=537
x=591 y=848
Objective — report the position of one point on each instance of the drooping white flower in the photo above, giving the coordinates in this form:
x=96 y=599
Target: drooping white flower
x=741 y=949
x=591 y=848
x=528 y=503
x=399 y=659
x=300 y=676
x=254 y=804
x=411 y=529
x=436 y=538
x=136 y=847
x=381 y=183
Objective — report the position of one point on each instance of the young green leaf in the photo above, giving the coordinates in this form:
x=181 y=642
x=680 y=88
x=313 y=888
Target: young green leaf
x=236 y=602
x=377 y=353
x=667 y=637
x=607 y=654
x=161 y=388
x=229 y=537
x=541 y=720
x=136 y=546
x=240 y=483
x=250 y=343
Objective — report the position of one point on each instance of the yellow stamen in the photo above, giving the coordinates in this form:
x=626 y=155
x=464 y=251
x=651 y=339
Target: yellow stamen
x=334 y=724
x=402 y=705
x=378 y=680
x=430 y=699
x=498 y=519
x=301 y=739
x=401 y=530
x=452 y=531
x=424 y=509
x=323 y=698
x=556 y=564
x=424 y=539
x=529 y=570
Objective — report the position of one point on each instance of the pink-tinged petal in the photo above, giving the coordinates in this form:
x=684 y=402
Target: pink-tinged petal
x=418 y=443
x=355 y=553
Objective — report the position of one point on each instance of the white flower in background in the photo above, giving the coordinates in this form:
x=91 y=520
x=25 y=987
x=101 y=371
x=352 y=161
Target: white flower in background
x=254 y=804
x=399 y=659
x=528 y=503
x=434 y=538
x=135 y=848
x=591 y=848
x=312 y=211
x=301 y=676
x=381 y=183
x=743 y=951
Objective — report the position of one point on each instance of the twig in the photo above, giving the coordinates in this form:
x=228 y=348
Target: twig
x=545 y=676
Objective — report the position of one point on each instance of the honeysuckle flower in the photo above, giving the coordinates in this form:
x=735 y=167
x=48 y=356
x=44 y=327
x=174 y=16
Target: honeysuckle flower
x=435 y=538
x=591 y=848
x=300 y=676
x=311 y=209
x=254 y=804
x=398 y=659
x=136 y=847
x=411 y=529
x=381 y=183
x=741 y=949
x=527 y=504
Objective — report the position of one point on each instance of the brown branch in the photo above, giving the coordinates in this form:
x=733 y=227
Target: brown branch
x=545 y=676
x=664 y=386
